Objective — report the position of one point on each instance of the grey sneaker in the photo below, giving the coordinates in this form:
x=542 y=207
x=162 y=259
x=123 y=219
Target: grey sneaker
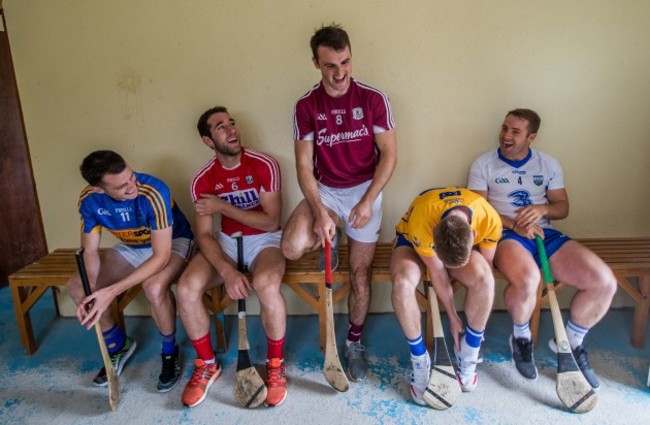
x=171 y=371
x=580 y=355
x=357 y=366
x=335 y=252
x=118 y=359
x=522 y=357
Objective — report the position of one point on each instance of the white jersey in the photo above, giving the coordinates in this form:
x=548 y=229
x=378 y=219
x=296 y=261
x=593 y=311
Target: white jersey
x=514 y=184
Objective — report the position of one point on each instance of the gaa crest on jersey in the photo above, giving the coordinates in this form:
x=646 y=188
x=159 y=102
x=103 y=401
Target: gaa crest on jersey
x=249 y=179
x=538 y=180
x=357 y=113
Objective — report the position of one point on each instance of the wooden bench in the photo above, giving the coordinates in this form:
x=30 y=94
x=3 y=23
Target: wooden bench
x=629 y=258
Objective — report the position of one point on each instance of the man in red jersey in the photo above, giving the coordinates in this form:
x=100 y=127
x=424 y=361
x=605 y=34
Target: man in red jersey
x=345 y=154
x=243 y=186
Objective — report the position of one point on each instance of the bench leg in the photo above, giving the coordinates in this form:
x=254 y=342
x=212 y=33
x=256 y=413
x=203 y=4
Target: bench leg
x=217 y=294
x=640 y=322
x=19 y=295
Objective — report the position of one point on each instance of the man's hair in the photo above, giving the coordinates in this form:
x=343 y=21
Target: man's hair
x=332 y=36
x=202 y=125
x=99 y=163
x=453 y=239
x=534 y=121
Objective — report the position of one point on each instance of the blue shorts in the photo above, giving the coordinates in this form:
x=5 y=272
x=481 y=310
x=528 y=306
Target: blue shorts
x=553 y=240
x=400 y=240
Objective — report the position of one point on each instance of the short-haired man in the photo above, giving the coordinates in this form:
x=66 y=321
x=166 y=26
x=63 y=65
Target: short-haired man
x=346 y=151
x=155 y=243
x=450 y=233
x=243 y=187
x=527 y=188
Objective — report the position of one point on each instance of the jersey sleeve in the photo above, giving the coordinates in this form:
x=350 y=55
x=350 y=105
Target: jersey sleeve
x=89 y=223
x=493 y=228
x=303 y=125
x=157 y=204
x=556 y=175
x=477 y=179
x=382 y=113
x=269 y=173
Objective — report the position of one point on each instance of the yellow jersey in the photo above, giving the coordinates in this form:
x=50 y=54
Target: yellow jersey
x=431 y=206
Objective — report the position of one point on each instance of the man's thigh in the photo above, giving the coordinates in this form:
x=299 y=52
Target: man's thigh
x=576 y=265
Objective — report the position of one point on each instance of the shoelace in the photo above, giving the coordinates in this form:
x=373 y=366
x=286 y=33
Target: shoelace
x=525 y=349
x=356 y=350
x=274 y=376
x=581 y=358
x=201 y=373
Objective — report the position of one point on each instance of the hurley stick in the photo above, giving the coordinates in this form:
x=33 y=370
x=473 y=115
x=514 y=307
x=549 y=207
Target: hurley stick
x=443 y=388
x=111 y=374
x=249 y=390
x=572 y=387
x=332 y=368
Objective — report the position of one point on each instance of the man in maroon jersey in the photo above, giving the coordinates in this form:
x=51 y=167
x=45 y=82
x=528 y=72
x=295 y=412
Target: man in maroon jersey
x=243 y=186
x=345 y=154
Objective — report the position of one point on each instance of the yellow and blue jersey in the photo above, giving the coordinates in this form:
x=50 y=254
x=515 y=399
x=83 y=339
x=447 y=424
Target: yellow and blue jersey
x=132 y=220
x=431 y=206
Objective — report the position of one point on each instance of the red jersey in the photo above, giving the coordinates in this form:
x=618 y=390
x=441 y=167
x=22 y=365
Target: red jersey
x=240 y=186
x=342 y=130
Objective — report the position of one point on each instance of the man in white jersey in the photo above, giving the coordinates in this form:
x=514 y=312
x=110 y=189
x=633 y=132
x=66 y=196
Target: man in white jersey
x=527 y=188
x=345 y=154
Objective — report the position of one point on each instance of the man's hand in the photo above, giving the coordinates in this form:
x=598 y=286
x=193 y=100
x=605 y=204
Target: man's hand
x=325 y=228
x=530 y=232
x=237 y=285
x=209 y=204
x=456 y=328
x=92 y=307
x=529 y=215
x=360 y=214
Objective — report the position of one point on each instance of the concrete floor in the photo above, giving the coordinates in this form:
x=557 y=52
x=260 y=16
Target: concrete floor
x=53 y=386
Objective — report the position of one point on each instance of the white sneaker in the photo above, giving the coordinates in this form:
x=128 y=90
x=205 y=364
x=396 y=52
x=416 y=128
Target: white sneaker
x=466 y=373
x=420 y=378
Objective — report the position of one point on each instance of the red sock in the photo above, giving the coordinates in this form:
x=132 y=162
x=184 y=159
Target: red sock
x=354 y=332
x=203 y=347
x=276 y=348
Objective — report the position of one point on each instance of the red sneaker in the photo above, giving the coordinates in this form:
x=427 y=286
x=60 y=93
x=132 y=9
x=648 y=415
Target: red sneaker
x=276 y=382
x=203 y=377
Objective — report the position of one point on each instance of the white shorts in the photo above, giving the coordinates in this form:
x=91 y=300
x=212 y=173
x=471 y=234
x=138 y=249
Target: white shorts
x=341 y=201
x=252 y=244
x=182 y=247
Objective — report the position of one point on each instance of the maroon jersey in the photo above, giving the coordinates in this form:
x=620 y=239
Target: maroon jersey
x=342 y=130
x=240 y=186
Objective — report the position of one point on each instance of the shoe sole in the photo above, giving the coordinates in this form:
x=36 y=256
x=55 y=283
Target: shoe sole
x=276 y=404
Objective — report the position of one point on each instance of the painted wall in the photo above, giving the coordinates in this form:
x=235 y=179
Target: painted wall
x=134 y=76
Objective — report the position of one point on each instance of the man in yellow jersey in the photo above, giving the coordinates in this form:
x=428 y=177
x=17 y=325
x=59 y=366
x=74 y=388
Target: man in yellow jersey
x=452 y=233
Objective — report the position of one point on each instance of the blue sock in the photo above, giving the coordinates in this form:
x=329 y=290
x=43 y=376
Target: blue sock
x=114 y=339
x=473 y=337
x=168 y=343
x=417 y=346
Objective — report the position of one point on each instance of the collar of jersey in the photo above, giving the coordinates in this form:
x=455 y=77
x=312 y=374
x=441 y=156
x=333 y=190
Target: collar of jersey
x=515 y=164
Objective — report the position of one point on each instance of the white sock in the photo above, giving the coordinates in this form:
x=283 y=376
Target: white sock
x=521 y=331
x=575 y=334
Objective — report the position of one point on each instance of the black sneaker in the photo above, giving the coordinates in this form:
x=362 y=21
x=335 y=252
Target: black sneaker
x=580 y=354
x=171 y=371
x=522 y=357
x=118 y=359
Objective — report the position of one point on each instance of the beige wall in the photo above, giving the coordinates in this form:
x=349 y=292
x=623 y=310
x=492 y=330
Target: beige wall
x=133 y=76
